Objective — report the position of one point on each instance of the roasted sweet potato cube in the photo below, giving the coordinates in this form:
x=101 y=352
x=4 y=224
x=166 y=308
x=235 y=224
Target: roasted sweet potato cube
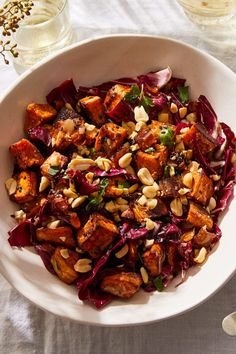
x=26 y=154
x=53 y=164
x=199 y=217
x=90 y=136
x=110 y=137
x=202 y=188
x=64 y=267
x=171 y=254
x=96 y=235
x=198 y=134
x=115 y=95
x=61 y=235
x=60 y=140
x=145 y=138
x=153 y=161
x=169 y=186
x=203 y=238
x=26 y=187
x=65 y=114
x=153 y=259
x=93 y=106
x=67 y=132
x=123 y=284
x=116 y=187
x=37 y=114
x=156 y=128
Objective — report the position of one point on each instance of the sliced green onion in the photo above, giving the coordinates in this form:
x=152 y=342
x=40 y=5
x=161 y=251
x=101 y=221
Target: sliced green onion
x=158 y=283
x=166 y=137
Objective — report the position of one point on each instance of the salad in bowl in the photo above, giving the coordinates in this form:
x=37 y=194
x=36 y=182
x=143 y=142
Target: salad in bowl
x=120 y=186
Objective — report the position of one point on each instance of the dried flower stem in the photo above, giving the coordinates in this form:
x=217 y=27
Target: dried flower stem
x=11 y=14
x=5 y=47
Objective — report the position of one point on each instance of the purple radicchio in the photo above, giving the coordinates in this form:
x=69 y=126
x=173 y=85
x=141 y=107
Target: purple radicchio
x=46 y=251
x=160 y=101
x=185 y=250
x=169 y=232
x=65 y=93
x=229 y=134
x=202 y=159
x=228 y=164
x=84 y=187
x=101 y=90
x=85 y=283
x=130 y=232
x=122 y=112
x=156 y=79
x=224 y=198
x=113 y=172
x=22 y=235
x=56 y=206
x=40 y=135
x=208 y=115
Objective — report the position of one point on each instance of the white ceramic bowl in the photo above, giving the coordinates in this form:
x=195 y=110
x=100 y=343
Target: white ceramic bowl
x=93 y=62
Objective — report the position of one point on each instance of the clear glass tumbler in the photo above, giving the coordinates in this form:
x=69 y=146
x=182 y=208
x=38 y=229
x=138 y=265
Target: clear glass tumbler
x=209 y=12
x=44 y=31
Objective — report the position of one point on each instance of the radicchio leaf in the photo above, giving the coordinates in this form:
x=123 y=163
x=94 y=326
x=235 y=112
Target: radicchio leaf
x=135 y=234
x=166 y=275
x=129 y=231
x=84 y=187
x=40 y=135
x=46 y=251
x=98 y=297
x=112 y=172
x=169 y=232
x=156 y=79
x=101 y=90
x=85 y=291
x=65 y=93
x=173 y=84
x=176 y=100
x=198 y=154
x=208 y=115
x=185 y=251
x=160 y=101
x=22 y=235
x=217 y=232
x=225 y=195
x=149 y=288
x=228 y=164
x=227 y=131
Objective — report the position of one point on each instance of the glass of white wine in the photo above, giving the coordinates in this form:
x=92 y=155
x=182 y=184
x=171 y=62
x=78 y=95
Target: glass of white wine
x=209 y=12
x=44 y=31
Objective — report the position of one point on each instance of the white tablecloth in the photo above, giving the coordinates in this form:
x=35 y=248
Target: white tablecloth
x=25 y=329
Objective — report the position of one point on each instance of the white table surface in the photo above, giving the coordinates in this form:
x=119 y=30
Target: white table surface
x=25 y=329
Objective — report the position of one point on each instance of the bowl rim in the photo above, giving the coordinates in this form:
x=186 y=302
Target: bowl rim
x=97 y=39
x=59 y=53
